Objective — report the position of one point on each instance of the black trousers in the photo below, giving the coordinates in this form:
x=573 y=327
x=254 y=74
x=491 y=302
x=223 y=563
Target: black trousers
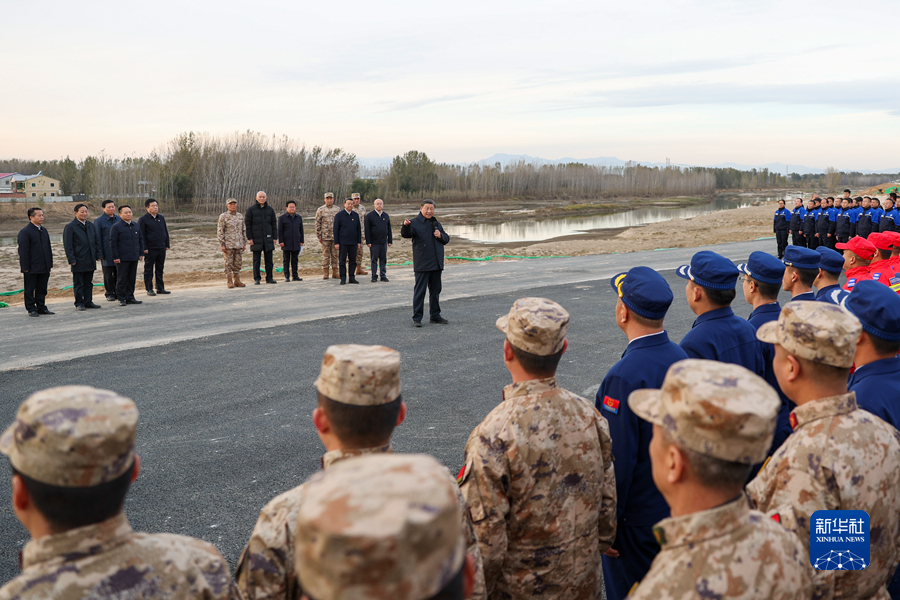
x=125 y=279
x=842 y=239
x=782 y=238
x=432 y=281
x=290 y=262
x=347 y=252
x=110 y=277
x=83 y=287
x=155 y=259
x=270 y=267
x=830 y=241
x=798 y=239
x=813 y=241
x=378 y=252
x=36 y=291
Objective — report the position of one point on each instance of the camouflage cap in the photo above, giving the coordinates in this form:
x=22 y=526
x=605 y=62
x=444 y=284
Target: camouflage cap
x=717 y=409
x=230 y=201
x=820 y=332
x=535 y=325
x=329 y=195
x=354 y=196
x=360 y=375
x=375 y=527
x=72 y=436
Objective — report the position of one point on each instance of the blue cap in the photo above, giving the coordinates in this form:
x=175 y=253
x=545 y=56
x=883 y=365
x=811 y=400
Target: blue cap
x=763 y=267
x=830 y=260
x=644 y=291
x=710 y=270
x=877 y=307
x=801 y=258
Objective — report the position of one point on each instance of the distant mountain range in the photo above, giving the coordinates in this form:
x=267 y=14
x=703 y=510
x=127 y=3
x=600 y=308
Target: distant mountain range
x=612 y=161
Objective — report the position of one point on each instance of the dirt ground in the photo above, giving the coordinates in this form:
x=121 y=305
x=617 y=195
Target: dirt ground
x=195 y=259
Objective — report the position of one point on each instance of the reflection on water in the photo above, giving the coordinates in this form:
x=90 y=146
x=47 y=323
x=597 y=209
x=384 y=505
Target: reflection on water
x=538 y=230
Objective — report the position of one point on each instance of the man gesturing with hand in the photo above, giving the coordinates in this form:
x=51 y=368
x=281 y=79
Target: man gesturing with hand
x=428 y=240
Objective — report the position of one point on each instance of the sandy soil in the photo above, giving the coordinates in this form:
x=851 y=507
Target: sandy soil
x=195 y=259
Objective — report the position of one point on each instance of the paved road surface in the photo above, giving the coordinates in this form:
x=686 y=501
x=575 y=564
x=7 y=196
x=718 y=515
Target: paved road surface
x=223 y=378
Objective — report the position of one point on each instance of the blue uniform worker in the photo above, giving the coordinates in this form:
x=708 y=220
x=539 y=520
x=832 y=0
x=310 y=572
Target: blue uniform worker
x=766 y=269
x=717 y=333
x=809 y=225
x=796 y=225
x=876 y=379
x=890 y=218
x=781 y=226
x=644 y=298
x=864 y=226
x=831 y=264
x=805 y=263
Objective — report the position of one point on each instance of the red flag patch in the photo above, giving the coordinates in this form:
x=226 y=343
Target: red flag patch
x=462 y=475
x=793 y=420
x=611 y=404
x=776 y=517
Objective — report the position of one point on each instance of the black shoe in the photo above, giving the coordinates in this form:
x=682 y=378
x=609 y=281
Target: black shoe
x=132 y=301
x=151 y=293
x=163 y=292
x=111 y=298
x=256 y=282
x=271 y=281
x=385 y=279
x=80 y=307
x=298 y=278
x=440 y=320
x=417 y=323
x=374 y=279
x=122 y=303
x=353 y=280
x=287 y=279
x=343 y=282
x=33 y=313
x=92 y=305
x=45 y=311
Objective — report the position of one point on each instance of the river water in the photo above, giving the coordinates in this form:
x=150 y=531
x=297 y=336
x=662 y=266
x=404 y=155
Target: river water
x=536 y=230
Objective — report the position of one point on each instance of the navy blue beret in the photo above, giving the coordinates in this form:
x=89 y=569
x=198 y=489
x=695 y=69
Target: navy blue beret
x=644 y=291
x=763 y=267
x=830 y=260
x=801 y=258
x=710 y=270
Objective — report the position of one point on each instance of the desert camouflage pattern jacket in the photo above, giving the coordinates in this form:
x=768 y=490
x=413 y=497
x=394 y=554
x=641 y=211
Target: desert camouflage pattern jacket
x=839 y=457
x=541 y=488
x=231 y=230
x=266 y=567
x=726 y=552
x=109 y=560
x=325 y=221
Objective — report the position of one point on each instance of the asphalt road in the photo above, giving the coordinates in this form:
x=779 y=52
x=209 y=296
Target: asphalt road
x=226 y=416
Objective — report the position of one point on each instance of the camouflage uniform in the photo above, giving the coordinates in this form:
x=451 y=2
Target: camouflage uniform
x=325 y=232
x=232 y=233
x=266 y=567
x=725 y=412
x=838 y=457
x=539 y=477
x=378 y=528
x=77 y=436
x=361 y=211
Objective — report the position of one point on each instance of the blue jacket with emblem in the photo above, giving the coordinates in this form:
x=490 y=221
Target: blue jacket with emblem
x=723 y=336
x=877 y=387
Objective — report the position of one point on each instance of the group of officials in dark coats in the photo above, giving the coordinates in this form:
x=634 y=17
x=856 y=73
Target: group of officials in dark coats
x=116 y=241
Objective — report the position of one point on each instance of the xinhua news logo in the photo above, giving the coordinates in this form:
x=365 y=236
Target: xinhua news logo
x=839 y=540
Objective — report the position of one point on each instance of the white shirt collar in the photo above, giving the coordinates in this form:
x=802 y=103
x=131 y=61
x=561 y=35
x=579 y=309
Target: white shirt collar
x=640 y=337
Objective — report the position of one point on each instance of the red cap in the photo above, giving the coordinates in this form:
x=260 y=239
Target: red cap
x=882 y=241
x=861 y=247
x=895 y=237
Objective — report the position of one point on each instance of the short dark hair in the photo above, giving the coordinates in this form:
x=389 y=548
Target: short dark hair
x=361 y=426
x=535 y=364
x=33 y=210
x=424 y=202
x=150 y=201
x=769 y=291
x=807 y=276
x=105 y=202
x=846 y=191
x=720 y=297
x=78 y=207
x=884 y=253
x=123 y=207
x=67 y=508
x=711 y=472
x=289 y=202
x=882 y=346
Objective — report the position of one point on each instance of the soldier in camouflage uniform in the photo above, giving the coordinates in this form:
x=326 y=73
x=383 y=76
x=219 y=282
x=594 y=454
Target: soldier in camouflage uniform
x=232 y=235
x=359 y=382
x=398 y=535
x=325 y=232
x=839 y=457
x=538 y=474
x=72 y=453
x=712 y=422
x=361 y=211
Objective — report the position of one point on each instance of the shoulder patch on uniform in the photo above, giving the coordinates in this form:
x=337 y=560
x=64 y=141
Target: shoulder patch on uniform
x=876 y=276
x=793 y=421
x=611 y=404
x=776 y=517
x=851 y=282
x=660 y=535
x=462 y=475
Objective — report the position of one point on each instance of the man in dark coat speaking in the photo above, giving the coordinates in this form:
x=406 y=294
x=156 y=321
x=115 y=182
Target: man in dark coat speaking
x=262 y=227
x=348 y=240
x=82 y=254
x=428 y=239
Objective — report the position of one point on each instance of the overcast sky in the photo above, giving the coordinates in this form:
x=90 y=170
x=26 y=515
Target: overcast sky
x=807 y=82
